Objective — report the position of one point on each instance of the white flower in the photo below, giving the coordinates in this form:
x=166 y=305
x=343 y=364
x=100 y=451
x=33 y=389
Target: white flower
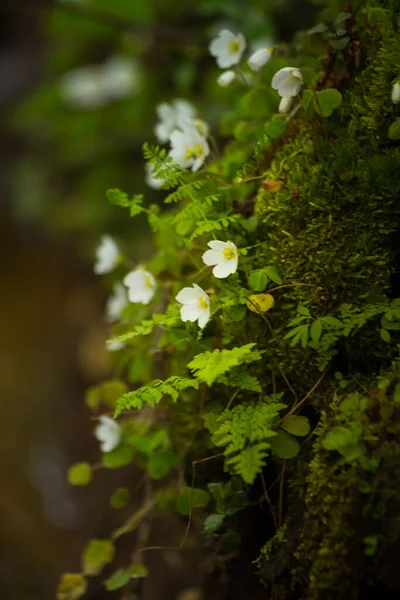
x=226 y=78
x=82 y=88
x=259 y=58
x=202 y=127
x=227 y=48
x=107 y=256
x=114 y=346
x=196 y=305
x=224 y=255
x=285 y=105
x=189 y=149
x=151 y=180
x=119 y=77
x=141 y=286
x=287 y=82
x=396 y=93
x=116 y=303
x=108 y=432
x=171 y=117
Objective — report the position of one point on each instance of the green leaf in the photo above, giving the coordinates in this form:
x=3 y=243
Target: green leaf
x=316 y=330
x=295 y=425
x=302 y=310
x=96 y=555
x=80 y=474
x=106 y=393
x=208 y=366
x=284 y=445
x=71 y=587
x=273 y=274
x=275 y=128
x=376 y=15
x=345 y=441
x=385 y=335
x=213 y=523
x=160 y=463
x=326 y=101
x=249 y=463
x=120 y=498
x=191 y=497
x=184 y=226
x=118 y=198
x=121 y=577
x=211 y=421
x=138 y=571
x=258 y=281
x=394 y=130
x=120 y=457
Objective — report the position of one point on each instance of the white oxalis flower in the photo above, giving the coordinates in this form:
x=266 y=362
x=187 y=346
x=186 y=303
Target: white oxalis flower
x=287 y=82
x=141 y=286
x=108 y=432
x=189 y=149
x=396 y=93
x=196 y=305
x=224 y=255
x=226 y=78
x=171 y=118
x=116 y=303
x=285 y=105
x=107 y=256
x=119 y=77
x=227 y=48
x=259 y=58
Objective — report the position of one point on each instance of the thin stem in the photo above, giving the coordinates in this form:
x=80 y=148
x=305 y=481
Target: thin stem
x=269 y=501
x=281 y=492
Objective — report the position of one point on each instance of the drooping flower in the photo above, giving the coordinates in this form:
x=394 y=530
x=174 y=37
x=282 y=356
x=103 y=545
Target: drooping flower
x=287 y=82
x=116 y=303
x=226 y=78
x=189 y=149
x=141 y=286
x=172 y=116
x=196 y=305
x=285 y=105
x=396 y=93
x=227 y=48
x=259 y=58
x=150 y=178
x=107 y=256
x=224 y=255
x=108 y=432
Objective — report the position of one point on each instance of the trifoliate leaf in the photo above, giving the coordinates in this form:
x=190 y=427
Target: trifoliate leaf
x=96 y=555
x=120 y=498
x=326 y=101
x=213 y=523
x=275 y=128
x=258 y=280
x=260 y=303
x=295 y=425
x=284 y=445
x=273 y=274
x=120 y=457
x=191 y=497
x=80 y=474
x=71 y=587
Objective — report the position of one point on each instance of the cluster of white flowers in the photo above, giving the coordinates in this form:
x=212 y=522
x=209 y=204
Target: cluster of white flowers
x=97 y=85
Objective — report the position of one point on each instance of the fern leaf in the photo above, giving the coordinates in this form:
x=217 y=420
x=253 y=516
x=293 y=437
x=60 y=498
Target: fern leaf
x=208 y=366
x=249 y=463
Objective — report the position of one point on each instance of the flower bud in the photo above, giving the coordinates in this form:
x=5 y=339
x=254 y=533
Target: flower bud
x=396 y=93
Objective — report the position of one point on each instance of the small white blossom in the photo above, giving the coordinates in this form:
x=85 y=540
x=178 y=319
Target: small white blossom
x=141 y=286
x=172 y=116
x=287 y=82
x=227 y=48
x=107 y=256
x=119 y=77
x=114 y=346
x=226 y=78
x=396 y=93
x=224 y=255
x=189 y=149
x=259 y=58
x=285 y=105
x=108 y=432
x=81 y=88
x=116 y=303
x=151 y=180
x=202 y=127
x=196 y=305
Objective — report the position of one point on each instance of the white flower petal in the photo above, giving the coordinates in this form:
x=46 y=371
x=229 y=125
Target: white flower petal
x=217 y=245
x=190 y=312
x=204 y=318
x=226 y=78
x=141 y=286
x=222 y=270
x=259 y=59
x=211 y=257
x=108 y=432
x=116 y=303
x=187 y=295
x=285 y=105
x=107 y=256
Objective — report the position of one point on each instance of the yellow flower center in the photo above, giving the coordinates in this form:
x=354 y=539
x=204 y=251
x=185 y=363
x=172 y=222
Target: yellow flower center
x=233 y=47
x=148 y=283
x=200 y=127
x=203 y=302
x=195 y=151
x=228 y=253
x=293 y=75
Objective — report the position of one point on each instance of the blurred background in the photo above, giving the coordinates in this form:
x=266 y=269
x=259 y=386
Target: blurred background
x=79 y=83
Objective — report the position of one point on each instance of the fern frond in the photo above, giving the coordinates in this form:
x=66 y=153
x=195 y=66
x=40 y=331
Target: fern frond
x=249 y=463
x=169 y=319
x=153 y=393
x=208 y=366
